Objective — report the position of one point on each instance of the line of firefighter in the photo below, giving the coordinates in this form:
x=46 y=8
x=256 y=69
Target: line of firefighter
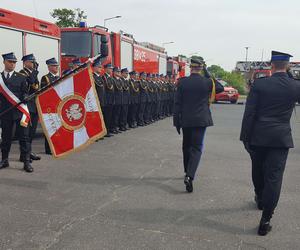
x=126 y=102
x=131 y=99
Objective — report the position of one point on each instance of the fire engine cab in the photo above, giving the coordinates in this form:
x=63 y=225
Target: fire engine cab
x=24 y=35
x=123 y=50
x=179 y=66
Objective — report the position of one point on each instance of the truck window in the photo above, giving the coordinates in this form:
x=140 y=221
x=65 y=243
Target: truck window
x=97 y=44
x=77 y=44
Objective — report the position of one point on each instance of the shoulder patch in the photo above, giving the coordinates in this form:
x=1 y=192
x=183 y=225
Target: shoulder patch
x=20 y=74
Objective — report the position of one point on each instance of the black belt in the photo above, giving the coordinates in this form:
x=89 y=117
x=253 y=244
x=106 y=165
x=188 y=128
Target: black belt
x=270 y=119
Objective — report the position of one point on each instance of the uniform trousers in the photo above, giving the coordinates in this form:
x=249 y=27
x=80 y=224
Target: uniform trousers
x=141 y=111
x=124 y=115
x=23 y=136
x=34 y=118
x=268 y=166
x=107 y=115
x=192 y=147
x=147 y=112
x=116 y=116
x=132 y=113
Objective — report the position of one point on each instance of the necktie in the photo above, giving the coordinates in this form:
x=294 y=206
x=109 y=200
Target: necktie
x=7 y=76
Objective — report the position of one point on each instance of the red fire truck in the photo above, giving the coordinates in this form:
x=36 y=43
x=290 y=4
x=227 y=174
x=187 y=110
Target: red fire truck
x=123 y=50
x=178 y=66
x=24 y=35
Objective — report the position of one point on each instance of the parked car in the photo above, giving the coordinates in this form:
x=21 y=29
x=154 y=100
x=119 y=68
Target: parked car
x=229 y=94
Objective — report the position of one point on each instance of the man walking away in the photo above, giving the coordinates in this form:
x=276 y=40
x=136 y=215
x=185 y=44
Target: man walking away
x=266 y=133
x=192 y=114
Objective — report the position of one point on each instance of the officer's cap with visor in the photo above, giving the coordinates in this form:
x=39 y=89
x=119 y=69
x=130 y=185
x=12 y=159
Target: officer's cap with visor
x=143 y=74
x=116 y=69
x=125 y=70
x=29 y=57
x=196 y=63
x=108 y=66
x=133 y=73
x=97 y=63
x=52 y=62
x=9 y=57
x=280 y=56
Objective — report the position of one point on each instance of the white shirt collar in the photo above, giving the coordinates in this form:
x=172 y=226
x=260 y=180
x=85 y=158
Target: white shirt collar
x=10 y=73
x=52 y=74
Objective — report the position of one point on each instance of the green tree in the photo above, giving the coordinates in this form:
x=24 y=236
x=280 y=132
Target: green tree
x=217 y=71
x=234 y=79
x=80 y=15
x=68 y=17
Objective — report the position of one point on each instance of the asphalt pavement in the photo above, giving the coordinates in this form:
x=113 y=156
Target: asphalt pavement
x=127 y=192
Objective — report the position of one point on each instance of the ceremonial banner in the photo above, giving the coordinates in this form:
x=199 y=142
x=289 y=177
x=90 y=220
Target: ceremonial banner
x=10 y=96
x=70 y=114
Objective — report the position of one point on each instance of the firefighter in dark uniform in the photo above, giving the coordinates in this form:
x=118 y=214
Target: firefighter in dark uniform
x=156 y=99
x=110 y=98
x=99 y=83
x=118 y=100
x=30 y=71
x=160 y=90
x=46 y=80
x=17 y=84
x=164 y=97
x=193 y=116
x=134 y=99
x=173 y=84
x=143 y=99
x=153 y=95
x=126 y=99
x=266 y=133
x=147 y=115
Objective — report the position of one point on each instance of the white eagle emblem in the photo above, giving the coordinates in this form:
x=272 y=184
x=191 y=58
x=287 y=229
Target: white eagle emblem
x=74 y=112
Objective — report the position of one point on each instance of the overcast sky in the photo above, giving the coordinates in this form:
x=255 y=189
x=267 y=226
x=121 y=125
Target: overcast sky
x=218 y=30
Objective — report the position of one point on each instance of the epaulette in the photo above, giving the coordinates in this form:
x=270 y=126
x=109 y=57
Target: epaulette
x=20 y=74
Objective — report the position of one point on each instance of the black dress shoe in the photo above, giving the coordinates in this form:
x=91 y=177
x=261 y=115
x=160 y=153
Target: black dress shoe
x=22 y=159
x=264 y=227
x=258 y=202
x=108 y=135
x=114 y=132
x=4 y=164
x=34 y=157
x=27 y=167
x=188 y=184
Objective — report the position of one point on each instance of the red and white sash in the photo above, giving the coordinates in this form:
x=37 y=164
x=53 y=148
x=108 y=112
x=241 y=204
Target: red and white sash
x=4 y=90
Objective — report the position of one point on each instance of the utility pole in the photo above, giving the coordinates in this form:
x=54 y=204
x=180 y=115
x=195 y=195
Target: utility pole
x=247 y=53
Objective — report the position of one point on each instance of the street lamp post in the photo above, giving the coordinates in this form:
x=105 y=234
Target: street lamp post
x=110 y=18
x=247 y=53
